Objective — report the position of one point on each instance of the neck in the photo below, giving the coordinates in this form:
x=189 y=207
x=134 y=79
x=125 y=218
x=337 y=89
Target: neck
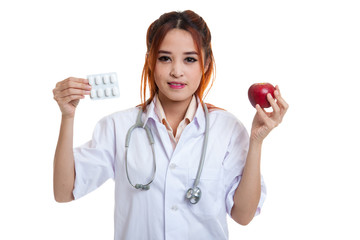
x=174 y=110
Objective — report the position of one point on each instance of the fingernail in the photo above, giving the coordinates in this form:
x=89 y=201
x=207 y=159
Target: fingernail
x=276 y=92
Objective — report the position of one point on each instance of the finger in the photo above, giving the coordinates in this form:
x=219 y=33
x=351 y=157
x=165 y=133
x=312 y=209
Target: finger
x=263 y=115
x=80 y=83
x=277 y=89
x=275 y=116
x=281 y=102
x=273 y=104
x=76 y=83
x=269 y=123
x=80 y=80
x=71 y=91
x=283 y=105
x=72 y=79
x=70 y=98
x=71 y=88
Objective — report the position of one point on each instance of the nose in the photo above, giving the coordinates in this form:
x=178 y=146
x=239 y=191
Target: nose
x=176 y=70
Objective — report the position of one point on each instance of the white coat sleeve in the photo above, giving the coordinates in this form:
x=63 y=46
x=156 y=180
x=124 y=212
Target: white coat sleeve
x=234 y=165
x=94 y=161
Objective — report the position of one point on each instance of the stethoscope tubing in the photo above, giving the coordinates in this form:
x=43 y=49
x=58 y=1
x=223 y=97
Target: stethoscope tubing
x=140 y=124
x=193 y=194
x=204 y=147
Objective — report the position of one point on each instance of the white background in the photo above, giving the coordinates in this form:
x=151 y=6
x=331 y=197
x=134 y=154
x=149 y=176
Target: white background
x=310 y=48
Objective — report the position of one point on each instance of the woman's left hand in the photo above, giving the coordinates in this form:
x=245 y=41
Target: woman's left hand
x=263 y=121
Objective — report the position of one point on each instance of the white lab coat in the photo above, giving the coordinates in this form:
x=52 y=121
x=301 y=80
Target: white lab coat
x=163 y=212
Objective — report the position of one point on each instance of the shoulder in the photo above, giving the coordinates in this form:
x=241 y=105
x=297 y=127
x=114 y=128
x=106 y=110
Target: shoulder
x=225 y=121
x=223 y=115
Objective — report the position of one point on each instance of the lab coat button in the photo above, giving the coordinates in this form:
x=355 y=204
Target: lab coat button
x=174 y=208
x=173 y=166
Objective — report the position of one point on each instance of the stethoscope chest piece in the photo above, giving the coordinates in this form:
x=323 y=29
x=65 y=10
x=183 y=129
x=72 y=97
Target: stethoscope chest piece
x=193 y=195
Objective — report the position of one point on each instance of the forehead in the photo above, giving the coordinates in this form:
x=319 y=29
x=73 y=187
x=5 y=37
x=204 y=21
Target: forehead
x=178 y=40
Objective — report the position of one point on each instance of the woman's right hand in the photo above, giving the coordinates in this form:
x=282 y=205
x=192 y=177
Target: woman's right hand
x=68 y=93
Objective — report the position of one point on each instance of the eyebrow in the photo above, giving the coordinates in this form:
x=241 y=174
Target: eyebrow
x=186 y=53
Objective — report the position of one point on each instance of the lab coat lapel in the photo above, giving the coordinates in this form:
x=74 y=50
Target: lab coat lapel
x=194 y=129
x=158 y=129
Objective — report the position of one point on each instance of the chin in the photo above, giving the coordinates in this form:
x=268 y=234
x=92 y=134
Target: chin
x=175 y=97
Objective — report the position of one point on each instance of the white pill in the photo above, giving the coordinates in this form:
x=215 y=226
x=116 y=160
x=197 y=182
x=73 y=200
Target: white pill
x=98 y=80
x=108 y=92
x=100 y=93
x=91 y=81
x=115 y=91
x=113 y=78
x=93 y=93
x=106 y=79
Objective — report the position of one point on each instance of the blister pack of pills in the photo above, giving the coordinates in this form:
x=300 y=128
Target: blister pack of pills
x=103 y=86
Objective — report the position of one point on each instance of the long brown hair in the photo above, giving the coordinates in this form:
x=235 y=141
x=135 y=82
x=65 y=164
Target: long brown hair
x=197 y=27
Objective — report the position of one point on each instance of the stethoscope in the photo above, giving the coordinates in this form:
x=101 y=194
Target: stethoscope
x=193 y=194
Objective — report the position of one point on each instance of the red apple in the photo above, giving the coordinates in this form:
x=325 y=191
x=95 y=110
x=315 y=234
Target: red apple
x=257 y=94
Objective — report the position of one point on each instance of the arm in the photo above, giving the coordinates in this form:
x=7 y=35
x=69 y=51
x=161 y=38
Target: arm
x=67 y=93
x=247 y=194
x=64 y=166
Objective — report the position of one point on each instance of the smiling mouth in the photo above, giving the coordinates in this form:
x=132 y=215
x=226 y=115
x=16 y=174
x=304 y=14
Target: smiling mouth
x=176 y=85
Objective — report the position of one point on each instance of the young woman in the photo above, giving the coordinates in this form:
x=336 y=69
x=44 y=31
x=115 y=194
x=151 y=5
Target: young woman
x=156 y=196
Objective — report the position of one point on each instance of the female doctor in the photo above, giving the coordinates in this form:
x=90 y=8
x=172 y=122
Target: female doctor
x=156 y=196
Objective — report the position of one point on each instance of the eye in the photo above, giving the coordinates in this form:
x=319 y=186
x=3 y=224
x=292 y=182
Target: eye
x=164 y=59
x=190 y=59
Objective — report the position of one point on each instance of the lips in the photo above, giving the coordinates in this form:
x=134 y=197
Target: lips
x=176 y=85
